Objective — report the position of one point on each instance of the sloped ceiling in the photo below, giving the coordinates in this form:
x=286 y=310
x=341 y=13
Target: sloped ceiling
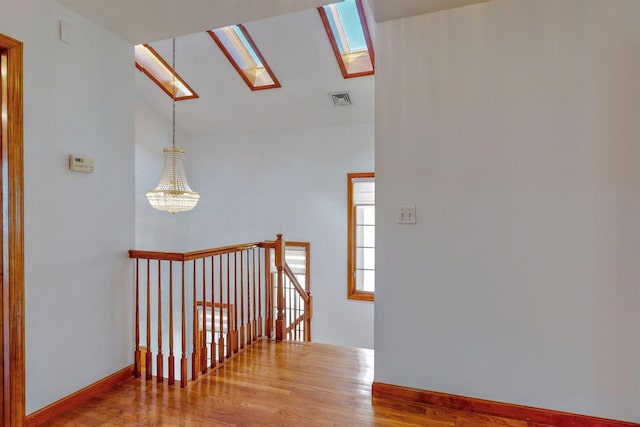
x=291 y=37
x=143 y=21
x=385 y=10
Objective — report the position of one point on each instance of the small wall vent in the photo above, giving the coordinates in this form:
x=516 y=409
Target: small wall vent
x=340 y=99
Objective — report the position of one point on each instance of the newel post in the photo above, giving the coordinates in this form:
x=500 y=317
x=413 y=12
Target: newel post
x=279 y=251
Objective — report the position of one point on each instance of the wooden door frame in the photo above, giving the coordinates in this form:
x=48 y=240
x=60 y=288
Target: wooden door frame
x=12 y=237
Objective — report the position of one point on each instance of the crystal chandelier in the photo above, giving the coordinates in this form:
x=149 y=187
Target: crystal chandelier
x=173 y=193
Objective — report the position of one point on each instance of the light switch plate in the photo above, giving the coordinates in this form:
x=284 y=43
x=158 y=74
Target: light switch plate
x=406 y=215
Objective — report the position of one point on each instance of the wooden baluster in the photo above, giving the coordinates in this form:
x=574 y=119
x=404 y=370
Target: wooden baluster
x=212 y=350
x=236 y=342
x=248 y=331
x=221 y=341
x=254 y=327
x=303 y=324
x=301 y=315
x=290 y=307
x=307 y=286
x=183 y=359
x=148 y=354
x=299 y=312
x=268 y=290
x=171 y=359
x=284 y=311
x=260 y=284
x=247 y=319
x=242 y=322
x=195 y=365
x=295 y=310
x=159 y=357
x=136 y=353
x=287 y=308
x=252 y=296
x=275 y=296
x=308 y=314
x=280 y=325
x=203 y=333
x=229 y=314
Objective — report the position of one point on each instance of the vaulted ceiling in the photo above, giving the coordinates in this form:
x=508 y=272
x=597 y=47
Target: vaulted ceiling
x=143 y=21
x=291 y=37
x=297 y=50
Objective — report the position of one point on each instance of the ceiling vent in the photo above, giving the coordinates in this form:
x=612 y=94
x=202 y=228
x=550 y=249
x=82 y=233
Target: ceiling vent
x=340 y=99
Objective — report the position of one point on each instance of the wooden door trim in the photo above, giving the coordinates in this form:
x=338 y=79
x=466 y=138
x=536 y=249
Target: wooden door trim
x=12 y=203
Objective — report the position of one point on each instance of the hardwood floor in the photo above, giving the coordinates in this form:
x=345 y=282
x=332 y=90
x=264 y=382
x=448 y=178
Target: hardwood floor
x=271 y=384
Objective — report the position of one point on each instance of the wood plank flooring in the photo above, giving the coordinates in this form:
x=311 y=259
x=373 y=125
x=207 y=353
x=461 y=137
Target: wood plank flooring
x=271 y=384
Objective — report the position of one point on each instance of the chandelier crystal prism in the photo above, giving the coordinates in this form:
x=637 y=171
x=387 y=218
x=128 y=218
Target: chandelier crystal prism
x=173 y=193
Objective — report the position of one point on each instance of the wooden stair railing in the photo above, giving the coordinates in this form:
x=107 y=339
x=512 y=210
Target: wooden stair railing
x=211 y=304
x=294 y=306
x=298 y=328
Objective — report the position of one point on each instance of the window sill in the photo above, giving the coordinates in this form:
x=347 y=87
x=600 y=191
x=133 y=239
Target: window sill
x=361 y=296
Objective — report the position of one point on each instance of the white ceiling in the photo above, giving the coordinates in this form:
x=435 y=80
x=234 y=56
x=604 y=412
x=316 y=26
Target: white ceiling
x=291 y=37
x=385 y=10
x=142 y=21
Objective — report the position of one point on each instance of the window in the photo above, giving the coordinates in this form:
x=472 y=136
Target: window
x=361 y=251
x=348 y=33
x=296 y=254
x=149 y=62
x=239 y=48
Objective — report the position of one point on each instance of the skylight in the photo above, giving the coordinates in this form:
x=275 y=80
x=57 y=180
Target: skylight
x=348 y=33
x=149 y=62
x=237 y=45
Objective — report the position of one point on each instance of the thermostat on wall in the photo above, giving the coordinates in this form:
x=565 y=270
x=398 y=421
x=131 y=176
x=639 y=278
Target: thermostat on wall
x=80 y=163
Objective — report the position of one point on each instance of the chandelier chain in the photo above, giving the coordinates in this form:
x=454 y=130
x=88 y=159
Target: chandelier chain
x=175 y=90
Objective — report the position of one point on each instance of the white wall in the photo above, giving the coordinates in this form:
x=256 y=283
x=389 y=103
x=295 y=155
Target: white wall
x=254 y=185
x=513 y=127
x=78 y=227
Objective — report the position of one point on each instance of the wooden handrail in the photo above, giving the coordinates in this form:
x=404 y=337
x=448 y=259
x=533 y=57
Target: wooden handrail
x=222 y=250
x=294 y=280
x=189 y=256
